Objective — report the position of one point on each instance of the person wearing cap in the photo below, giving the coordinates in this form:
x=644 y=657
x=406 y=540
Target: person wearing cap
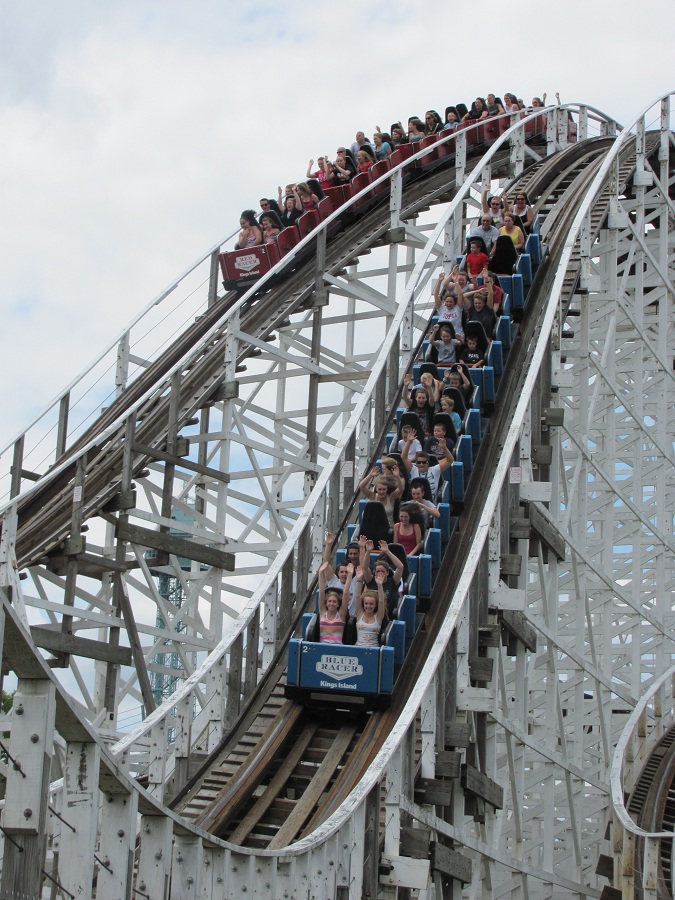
x=421 y=467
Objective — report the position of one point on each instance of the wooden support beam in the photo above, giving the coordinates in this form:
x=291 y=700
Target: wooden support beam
x=415 y=842
x=605 y=866
x=478 y=784
x=519 y=528
x=457 y=734
x=450 y=862
x=31 y=744
x=433 y=792
x=110 y=694
x=181 y=462
x=30 y=476
x=15 y=470
x=505 y=598
x=403 y=872
x=213 y=863
x=169 y=543
x=57 y=642
x=62 y=429
x=545 y=529
x=286 y=600
x=542 y=454
x=536 y=490
x=88 y=564
x=480 y=668
x=75 y=544
x=510 y=564
x=234 y=680
x=120 y=501
x=489 y=635
x=448 y=763
x=360 y=375
x=519 y=628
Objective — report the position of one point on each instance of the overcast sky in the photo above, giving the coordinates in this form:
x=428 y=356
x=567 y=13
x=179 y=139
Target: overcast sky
x=133 y=133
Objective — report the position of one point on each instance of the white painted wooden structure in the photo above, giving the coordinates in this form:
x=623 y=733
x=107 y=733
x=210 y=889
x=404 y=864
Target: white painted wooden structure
x=291 y=434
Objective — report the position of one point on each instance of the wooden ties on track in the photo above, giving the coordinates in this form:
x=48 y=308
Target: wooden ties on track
x=283 y=780
x=301 y=770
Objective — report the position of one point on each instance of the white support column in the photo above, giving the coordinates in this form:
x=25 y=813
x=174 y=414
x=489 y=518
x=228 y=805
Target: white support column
x=317 y=535
x=79 y=810
x=563 y=128
x=321 y=883
x=9 y=576
x=24 y=817
x=216 y=704
x=356 y=854
x=212 y=878
x=518 y=152
x=286 y=882
x=116 y=846
x=363 y=441
x=186 y=868
x=428 y=732
x=551 y=131
x=392 y=819
x=182 y=741
x=269 y=622
x=157 y=764
x=651 y=866
x=154 y=864
x=122 y=369
x=460 y=159
x=392 y=815
x=396 y=199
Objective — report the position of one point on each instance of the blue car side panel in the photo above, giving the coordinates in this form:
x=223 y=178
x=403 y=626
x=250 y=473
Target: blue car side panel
x=341 y=668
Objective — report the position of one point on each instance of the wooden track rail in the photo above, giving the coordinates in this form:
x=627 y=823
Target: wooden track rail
x=44 y=516
x=555 y=183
